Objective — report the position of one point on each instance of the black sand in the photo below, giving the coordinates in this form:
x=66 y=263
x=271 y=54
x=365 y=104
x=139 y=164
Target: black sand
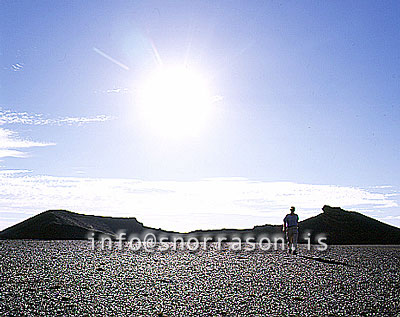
x=68 y=278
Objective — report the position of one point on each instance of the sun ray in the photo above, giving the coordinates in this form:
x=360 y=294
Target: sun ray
x=155 y=53
x=100 y=52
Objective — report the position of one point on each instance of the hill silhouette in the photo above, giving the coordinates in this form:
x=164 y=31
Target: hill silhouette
x=343 y=226
x=67 y=225
x=337 y=225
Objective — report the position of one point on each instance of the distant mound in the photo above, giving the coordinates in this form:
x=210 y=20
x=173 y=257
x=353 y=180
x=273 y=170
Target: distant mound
x=349 y=227
x=67 y=225
x=337 y=225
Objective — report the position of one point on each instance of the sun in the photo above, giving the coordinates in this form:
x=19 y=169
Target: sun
x=175 y=102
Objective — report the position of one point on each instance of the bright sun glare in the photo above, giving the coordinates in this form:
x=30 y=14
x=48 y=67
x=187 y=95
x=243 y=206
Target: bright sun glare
x=175 y=102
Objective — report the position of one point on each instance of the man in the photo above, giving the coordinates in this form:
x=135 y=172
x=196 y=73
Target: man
x=290 y=226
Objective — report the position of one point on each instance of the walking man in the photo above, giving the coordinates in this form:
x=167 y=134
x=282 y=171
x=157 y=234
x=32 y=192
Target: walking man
x=290 y=226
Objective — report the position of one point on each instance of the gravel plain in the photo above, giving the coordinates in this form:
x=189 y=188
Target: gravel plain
x=69 y=278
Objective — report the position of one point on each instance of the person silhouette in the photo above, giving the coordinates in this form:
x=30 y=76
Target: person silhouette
x=290 y=226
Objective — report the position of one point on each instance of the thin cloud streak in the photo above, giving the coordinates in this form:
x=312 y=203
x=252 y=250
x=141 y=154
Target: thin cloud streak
x=12 y=153
x=13 y=117
x=183 y=206
x=10 y=139
x=17 y=67
x=117 y=90
x=12 y=172
x=100 y=52
x=10 y=142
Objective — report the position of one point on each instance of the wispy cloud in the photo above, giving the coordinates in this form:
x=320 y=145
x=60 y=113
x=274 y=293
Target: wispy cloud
x=116 y=90
x=10 y=117
x=78 y=120
x=211 y=203
x=100 y=52
x=10 y=143
x=10 y=139
x=12 y=153
x=17 y=67
x=12 y=172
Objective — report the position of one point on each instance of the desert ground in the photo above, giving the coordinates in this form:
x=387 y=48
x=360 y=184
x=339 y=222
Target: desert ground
x=69 y=278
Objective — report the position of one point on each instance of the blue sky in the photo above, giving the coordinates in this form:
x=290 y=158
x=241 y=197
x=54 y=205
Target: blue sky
x=305 y=110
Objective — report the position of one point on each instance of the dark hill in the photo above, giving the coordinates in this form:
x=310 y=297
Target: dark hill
x=349 y=227
x=338 y=225
x=66 y=225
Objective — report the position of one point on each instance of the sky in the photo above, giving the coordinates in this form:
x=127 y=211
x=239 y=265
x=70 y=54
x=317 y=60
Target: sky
x=199 y=114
